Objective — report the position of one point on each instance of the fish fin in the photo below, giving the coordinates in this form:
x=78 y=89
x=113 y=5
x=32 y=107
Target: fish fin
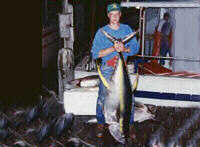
x=142 y=106
x=145 y=108
x=135 y=83
x=102 y=78
x=121 y=124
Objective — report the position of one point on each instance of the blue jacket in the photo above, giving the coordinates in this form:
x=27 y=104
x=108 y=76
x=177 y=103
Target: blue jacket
x=102 y=42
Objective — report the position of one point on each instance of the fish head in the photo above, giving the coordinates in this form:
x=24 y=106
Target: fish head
x=119 y=75
x=120 y=64
x=141 y=114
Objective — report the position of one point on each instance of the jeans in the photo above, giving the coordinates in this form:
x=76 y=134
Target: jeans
x=164 y=50
x=107 y=72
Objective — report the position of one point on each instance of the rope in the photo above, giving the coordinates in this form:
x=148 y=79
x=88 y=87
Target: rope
x=169 y=58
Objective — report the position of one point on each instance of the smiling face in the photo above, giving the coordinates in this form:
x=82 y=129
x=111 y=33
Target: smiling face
x=114 y=17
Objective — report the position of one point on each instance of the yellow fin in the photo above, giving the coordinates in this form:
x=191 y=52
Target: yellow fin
x=121 y=124
x=135 y=83
x=102 y=78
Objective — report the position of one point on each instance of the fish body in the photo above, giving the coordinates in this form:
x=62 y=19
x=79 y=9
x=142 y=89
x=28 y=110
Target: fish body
x=120 y=96
x=89 y=81
x=51 y=107
x=141 y=113
x=3 y=134
x=21 y=143
x=63 y=123
x=45 y=109
x=77 y=142
x=19 y=119
x=3 y=122
x=32 y=114
x=43 y=132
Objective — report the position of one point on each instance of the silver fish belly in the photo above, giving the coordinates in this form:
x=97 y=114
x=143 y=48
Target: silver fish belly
x=119 y=97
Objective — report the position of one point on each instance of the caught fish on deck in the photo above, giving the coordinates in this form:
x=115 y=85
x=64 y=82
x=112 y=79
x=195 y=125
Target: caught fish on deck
x=64 y=123
x=43 y=132
x=19 y=118
x=3 y=122
x=21 y=143
x=32 y=114
x=89 y=81
x=77 y=142
x=3 y=134
x=141 y=113
x=30 y=131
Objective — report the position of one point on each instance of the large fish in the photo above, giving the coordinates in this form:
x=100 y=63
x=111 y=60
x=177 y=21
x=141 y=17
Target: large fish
x=119 y=96
x=89 y=81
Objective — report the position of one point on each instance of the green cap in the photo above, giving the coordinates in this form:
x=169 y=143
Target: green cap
x=113 y=7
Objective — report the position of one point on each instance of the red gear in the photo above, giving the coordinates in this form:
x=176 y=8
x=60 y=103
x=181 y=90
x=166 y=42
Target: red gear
x=112 y=62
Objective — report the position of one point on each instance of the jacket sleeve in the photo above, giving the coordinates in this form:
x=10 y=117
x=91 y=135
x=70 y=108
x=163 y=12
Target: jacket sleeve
x=97 y=45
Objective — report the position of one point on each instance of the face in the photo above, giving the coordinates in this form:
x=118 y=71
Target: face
x=166 y=18
x=114 y=16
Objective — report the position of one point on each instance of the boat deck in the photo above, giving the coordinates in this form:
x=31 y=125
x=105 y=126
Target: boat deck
x=180 y=125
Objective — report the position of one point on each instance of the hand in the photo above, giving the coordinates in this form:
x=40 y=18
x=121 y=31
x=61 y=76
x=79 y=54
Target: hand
x=119 y=46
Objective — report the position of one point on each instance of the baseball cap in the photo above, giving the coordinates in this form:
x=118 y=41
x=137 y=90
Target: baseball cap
x=113 y=7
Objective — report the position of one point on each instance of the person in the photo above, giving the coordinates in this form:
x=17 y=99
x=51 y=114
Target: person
x=104 y=49
x=165 y=27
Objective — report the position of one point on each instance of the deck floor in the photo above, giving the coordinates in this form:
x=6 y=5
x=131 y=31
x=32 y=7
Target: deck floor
x=174 y=123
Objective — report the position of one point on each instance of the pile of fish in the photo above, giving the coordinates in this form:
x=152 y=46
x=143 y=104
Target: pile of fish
x=34 y=125
x=171 y=127
x=181 y=128
x=49 y=126
x=46 y=124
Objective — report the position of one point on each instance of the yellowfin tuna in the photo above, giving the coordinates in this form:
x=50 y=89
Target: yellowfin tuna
x=120 y=96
